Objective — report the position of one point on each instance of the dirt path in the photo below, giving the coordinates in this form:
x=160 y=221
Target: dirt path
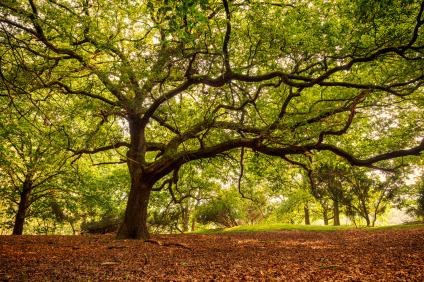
x=288 y=256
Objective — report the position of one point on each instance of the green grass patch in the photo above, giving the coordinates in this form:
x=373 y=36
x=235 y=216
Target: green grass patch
x=314 y=228
x=413 y=225
x=274 y=227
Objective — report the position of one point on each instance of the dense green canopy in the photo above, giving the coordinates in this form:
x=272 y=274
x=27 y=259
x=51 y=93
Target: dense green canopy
x=188 y=80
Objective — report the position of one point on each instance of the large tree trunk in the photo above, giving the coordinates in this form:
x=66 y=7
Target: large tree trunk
x=18 y=227
x=336 y=213
x=134 y=225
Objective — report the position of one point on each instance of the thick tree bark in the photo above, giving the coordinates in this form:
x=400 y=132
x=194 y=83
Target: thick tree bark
x=18 y=227
x=336 y=213
x=134 y=225
x=307 y=218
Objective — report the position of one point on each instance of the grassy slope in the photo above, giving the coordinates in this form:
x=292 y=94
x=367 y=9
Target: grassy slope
x=281 y=227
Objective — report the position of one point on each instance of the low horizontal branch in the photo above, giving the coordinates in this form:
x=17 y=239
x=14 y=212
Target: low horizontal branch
x=166 y=165
x=100 y=149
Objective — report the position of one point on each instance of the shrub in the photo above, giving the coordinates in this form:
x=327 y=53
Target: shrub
x=105 y=225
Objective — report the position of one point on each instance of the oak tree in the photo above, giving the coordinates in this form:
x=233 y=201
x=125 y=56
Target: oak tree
x=193 y=79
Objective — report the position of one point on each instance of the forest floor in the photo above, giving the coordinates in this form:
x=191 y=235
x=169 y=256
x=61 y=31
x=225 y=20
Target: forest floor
x=351 y=255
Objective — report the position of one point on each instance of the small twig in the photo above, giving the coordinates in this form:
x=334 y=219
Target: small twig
x=116 y=247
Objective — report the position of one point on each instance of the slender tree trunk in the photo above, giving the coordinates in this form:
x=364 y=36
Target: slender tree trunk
x=193 y=224
x=365 y=213
x=367 y=219
x=18 y=227
x=325 y=216
x=377 y=207
x=193 y=220
x=71 y=223
x=307 y=219
x=185 y=217
x=336 y=213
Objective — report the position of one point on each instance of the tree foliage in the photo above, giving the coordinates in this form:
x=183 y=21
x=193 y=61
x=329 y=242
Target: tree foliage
x=195 y=79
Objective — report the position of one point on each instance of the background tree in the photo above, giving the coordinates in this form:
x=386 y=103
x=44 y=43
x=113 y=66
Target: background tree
x=420 y=202
x=370 y=194
x=31 y=158
x=327 y=188
x=100 y=197
x=224 y=210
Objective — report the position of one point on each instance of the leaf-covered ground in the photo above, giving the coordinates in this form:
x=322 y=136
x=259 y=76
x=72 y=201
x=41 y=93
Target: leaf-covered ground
x=354 y=255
